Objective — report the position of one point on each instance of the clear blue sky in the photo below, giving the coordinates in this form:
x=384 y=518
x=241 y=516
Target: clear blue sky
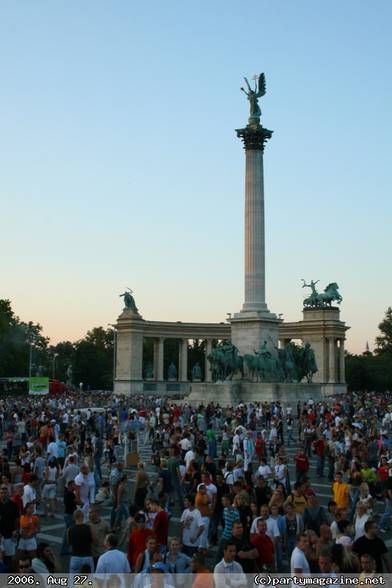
x=120 y=166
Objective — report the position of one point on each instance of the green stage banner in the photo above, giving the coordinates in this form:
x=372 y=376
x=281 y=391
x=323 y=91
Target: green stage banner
x=38 y=385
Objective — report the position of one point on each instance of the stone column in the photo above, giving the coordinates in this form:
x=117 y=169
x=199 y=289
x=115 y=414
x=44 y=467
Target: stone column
x=331 y=360
x=254 y=138
x=155 y=358
x=184 y=360
x=207 y=372
x=161 y=342
x=342 y=370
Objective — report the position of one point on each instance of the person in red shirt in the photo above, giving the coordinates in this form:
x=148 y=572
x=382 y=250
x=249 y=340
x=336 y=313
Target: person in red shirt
x=301 y=464
x=17 y=497
x=137 y=539
x=264 y=546
x=259 y=446
x=319 y=447
x=383 y=471
x=306 y=487
x=160 y=525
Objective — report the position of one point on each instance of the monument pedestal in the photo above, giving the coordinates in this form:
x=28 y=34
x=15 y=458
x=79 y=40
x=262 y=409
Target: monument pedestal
x=232 y=393
x=249 y=330
x=129 y=353
x=226 y=393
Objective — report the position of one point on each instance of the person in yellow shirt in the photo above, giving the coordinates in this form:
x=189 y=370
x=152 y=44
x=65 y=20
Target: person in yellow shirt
x=297 y=499
x=340 y=491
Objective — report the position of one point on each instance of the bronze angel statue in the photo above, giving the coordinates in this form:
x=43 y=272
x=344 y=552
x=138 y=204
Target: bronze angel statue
x=253 y=96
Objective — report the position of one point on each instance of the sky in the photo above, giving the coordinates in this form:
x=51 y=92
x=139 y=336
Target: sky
x=120 y=166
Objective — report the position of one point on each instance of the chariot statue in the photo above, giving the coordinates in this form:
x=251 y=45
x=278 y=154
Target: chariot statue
x=322 y=299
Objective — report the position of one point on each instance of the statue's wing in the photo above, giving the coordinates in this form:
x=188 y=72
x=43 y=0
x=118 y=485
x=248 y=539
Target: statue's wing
x=261 y=90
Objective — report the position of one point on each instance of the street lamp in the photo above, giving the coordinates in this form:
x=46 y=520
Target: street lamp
x=114 y=350
x=54 y=365
x=30 y=358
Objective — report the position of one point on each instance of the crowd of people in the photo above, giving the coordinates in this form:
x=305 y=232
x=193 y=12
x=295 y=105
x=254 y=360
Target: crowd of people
x=218 y=495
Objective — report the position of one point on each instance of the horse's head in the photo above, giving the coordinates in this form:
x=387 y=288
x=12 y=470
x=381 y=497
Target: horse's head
x=331 y=286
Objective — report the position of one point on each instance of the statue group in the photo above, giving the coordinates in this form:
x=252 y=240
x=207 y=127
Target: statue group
x=322 y=299
x=225 y=362
x=292 y=364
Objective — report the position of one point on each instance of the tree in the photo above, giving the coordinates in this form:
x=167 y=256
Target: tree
x=16 y=338
x=384 y=341
x=93 y=360
x=62 y=355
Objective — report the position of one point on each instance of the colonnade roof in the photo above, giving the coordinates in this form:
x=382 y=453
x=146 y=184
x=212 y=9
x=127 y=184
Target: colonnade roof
x=327 y=325
x=177 y=330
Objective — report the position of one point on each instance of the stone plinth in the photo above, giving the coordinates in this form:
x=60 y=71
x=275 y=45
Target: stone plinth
x=250 y=330
x=226 y=393
x=129 y=353
x=232 y=393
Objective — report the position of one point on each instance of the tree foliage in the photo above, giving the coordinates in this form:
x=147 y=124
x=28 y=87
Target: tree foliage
x=384 y=341
x=373 y=372
x=91 y=357
x=93 y=360
x=16 y=337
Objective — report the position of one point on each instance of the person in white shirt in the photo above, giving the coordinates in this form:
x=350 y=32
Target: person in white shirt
x=229 y=572
x=85 y=489
x=52 y=449
x=272 y=526
x=264 y=470
x=361 y=516
x=29 y=492
x=72 y=452
x=211 y=489
x=192 y=527
x=236 y=444
x=71 y=471
x=185 y=444
x=299 y=565
x=189 y=456
x=113 y=561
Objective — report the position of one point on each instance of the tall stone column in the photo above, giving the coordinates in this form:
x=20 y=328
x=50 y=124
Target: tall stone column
x=342 y=370
x=254 y=138
x=161 y=342
x=254 y=324
x=207 y=372
x=331 y=360
x=184 y=360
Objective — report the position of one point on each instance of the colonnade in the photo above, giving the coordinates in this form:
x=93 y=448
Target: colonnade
x=182 y=368
x=336 y=368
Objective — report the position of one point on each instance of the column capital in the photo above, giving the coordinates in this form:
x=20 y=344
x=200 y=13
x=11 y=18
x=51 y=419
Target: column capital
x=254 y=137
